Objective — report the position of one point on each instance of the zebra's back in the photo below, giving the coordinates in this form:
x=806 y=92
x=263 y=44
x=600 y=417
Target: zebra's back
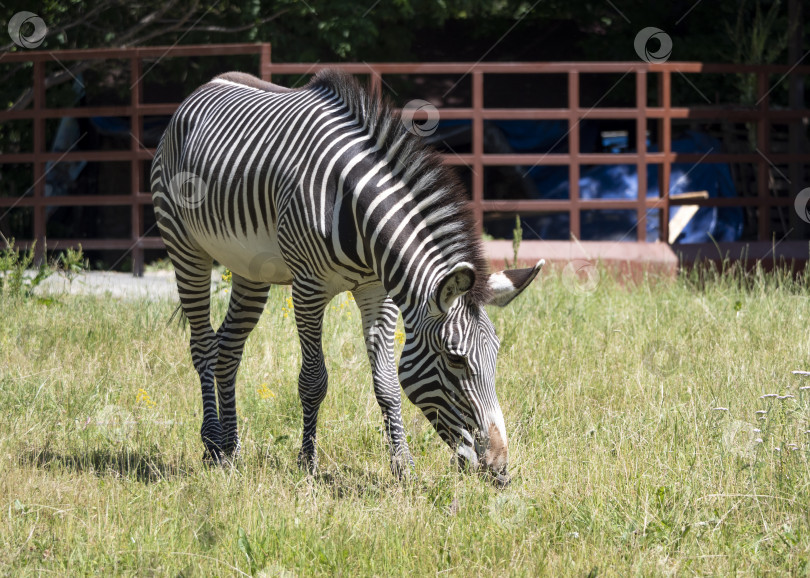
x=249 y=174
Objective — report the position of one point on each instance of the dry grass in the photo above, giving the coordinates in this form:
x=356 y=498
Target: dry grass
x=621 y=465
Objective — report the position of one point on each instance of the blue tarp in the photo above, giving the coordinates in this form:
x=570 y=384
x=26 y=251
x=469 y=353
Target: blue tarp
x=620 y=182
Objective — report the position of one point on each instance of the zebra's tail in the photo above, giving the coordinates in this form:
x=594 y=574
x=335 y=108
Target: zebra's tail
x=182 y=320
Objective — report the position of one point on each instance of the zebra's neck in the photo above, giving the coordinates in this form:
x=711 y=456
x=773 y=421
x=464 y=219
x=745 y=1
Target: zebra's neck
x=396 y=228
x=399 y=210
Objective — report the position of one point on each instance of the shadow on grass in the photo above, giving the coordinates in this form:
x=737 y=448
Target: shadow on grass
x=348 y=481
x=124 y=463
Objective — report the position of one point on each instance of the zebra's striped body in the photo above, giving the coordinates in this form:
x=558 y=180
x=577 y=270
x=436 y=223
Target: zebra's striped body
x=323 y=188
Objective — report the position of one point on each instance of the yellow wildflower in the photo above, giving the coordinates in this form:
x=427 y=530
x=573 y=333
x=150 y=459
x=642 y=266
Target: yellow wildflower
x=265 y=392
x=399 y=337
x=227 y=279
x=287 y=308
x=143 y=397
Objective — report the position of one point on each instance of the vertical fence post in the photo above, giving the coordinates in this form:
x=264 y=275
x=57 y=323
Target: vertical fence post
x=39 y=165
x=665 y=146
x=573 y=152
x=763 y=140
x=376 y=83
x=641 y=149
x=478 y=149
x=264 y=62
x=135 y=164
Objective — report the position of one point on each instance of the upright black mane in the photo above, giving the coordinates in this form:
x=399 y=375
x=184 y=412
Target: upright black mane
x=425 y=174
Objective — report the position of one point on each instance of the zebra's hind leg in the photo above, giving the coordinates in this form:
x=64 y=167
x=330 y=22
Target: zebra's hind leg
x=379 y=324
x=244 y=310
x=309 y=303
x=193 y=273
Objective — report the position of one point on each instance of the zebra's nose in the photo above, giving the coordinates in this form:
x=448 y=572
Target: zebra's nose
x=496 y=454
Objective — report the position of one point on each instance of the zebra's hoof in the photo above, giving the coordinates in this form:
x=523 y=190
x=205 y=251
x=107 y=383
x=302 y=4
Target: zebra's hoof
x=212 y=456
x=215 y=452
x=308 y=462
x=402 y=467
x=213 y=439
x=232 y=448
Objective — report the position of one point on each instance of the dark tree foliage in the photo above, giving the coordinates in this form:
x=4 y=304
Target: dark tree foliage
x=400 y=30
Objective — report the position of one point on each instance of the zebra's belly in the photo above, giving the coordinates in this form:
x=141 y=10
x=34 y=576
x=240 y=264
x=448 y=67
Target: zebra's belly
x=256 y=258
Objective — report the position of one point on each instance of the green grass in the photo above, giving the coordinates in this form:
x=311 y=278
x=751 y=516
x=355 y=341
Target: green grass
x=620 y=463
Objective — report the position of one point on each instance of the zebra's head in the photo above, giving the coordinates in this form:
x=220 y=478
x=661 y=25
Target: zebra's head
x=447 y=368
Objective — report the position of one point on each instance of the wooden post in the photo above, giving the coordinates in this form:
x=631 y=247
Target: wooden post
x=478 y=150
x=135 y=166
x=665 y=146
x=264 y=62
x=763 y=144
x=39 y=165
x=573 y=151
x=797 y=141
x=641 y=148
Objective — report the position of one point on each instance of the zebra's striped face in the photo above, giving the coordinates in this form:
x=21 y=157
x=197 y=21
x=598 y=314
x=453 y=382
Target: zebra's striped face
x=447 y=370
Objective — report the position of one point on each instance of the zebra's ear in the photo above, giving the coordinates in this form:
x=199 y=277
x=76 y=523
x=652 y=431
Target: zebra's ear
x=506 y=285
x=456 y=283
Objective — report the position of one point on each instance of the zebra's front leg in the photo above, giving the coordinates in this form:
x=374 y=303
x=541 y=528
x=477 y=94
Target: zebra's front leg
x=309 y=304
x=244 y=310
x=379 y=324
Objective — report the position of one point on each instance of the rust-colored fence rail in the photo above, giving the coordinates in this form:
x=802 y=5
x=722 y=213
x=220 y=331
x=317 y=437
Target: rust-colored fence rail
x=762 y=116
x=138 y=156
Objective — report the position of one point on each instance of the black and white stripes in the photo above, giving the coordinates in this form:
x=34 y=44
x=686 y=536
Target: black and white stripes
x=324 y=189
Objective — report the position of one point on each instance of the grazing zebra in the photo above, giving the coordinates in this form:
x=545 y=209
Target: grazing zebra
x=323 y=188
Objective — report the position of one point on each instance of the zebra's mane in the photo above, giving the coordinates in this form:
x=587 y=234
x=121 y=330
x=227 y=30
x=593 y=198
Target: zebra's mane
x=436 y=187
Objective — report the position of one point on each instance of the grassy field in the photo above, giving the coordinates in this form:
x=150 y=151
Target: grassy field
x=640 y=443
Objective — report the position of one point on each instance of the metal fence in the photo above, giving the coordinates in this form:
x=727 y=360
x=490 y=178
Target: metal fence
x=762 y=116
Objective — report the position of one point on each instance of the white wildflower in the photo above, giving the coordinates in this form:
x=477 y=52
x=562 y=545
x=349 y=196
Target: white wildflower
x=767 y=395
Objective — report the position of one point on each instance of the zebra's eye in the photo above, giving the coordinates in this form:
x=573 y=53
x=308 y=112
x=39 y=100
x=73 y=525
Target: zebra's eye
x=456 y=361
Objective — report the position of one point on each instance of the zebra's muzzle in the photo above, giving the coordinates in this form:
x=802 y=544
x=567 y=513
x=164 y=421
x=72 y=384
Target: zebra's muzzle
x=486 y=454
x=491 y=453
